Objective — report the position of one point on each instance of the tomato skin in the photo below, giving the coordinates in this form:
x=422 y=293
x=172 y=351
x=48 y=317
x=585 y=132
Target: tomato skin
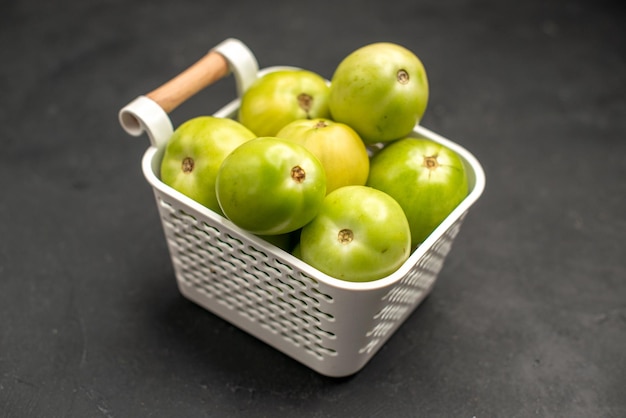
x=257 y=191
x=360 y=234
x=194 y=153
x=338 y=147
x=380 y=90
x=283 y=96
x=428 y=180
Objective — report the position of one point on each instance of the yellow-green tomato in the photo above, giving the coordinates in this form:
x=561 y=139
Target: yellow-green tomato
x=280 y=97
x=194 y=153
x=270 y=186
x=360 y=234
x=428 y=180
x=338 y=147
x=380 y=90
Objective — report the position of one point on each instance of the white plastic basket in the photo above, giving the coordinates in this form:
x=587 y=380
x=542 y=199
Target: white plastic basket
x=332 y=326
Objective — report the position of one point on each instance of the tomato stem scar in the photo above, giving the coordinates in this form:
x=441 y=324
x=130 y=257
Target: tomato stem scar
x=188 y=165
x=402 y=76
x=298 y=174
x=431 y=162
x=305 y=101
x=345 y=236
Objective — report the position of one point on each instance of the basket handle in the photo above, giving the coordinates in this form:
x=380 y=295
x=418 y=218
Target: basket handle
x=149 y=113
x=204 y=72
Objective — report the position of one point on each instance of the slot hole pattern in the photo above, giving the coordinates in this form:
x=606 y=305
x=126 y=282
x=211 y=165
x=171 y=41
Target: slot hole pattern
x=248 y=280
x=408 y=292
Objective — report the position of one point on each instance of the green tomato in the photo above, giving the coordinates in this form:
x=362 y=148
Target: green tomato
x=380 y=90
x=338 y=147
x=194 y=153
x=428 y=180
x=280 y=97
x=360 y=234
x=270 y=186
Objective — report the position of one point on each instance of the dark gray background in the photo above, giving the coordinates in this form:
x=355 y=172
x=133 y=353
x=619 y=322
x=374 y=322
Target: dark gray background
x=528 y=317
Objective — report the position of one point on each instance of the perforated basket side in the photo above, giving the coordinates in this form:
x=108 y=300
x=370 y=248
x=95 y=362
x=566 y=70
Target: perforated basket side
x=409 y=292
x=241 y=279
x=333 y=330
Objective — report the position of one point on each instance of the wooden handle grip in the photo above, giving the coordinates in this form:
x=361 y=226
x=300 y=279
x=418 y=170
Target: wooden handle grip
x=207 y=70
